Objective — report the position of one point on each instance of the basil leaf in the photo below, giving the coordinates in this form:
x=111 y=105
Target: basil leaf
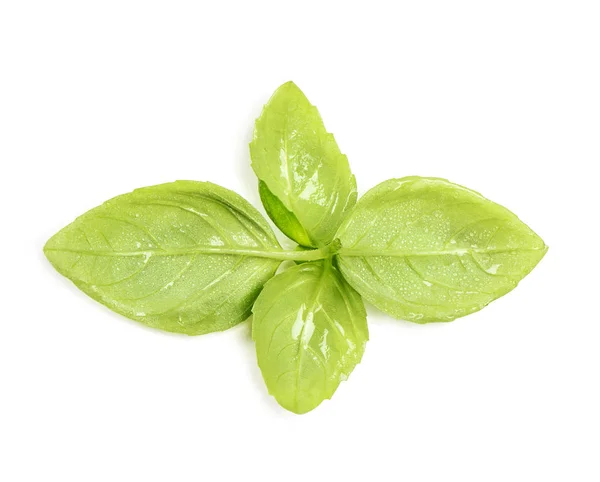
x=187 y=257
x=424 y=249
x=310 y=330
x=286 y=221
x=302 y=167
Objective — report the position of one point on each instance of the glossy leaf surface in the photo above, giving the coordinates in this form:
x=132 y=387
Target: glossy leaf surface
x=302 y=166
x=424 y=249
x=310 y=331
x=186 y=257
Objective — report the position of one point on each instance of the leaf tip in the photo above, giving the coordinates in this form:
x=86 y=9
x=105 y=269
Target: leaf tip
x=48 y=245
x=297 y=407
x=288 y=91
x=290 y=84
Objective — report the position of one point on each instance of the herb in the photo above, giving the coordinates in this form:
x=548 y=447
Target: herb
x=187 y=257
x=301 y=169
x=310 y=329
x=193 y=257
x=424 y=249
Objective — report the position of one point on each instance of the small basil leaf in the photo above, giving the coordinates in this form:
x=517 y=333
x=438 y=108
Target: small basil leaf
x=284 y=219
x=185 y=257
x=310 y=330
x=424 y=249
x=302 y=166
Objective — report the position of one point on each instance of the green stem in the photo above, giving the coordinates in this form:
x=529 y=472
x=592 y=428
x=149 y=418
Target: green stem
x=309 y=255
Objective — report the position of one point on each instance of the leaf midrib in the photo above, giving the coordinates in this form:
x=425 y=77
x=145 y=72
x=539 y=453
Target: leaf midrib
x=216 y=250
x=301 y=346
x=353 y=252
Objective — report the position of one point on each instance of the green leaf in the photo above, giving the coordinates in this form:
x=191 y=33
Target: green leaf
x=310 y=330
x=424 y=249
x=187 y=257
x=286 y=220
x=302 y=167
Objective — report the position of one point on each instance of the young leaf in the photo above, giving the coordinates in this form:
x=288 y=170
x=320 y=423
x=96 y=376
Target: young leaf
x=187 y=257
x=424 y=249
x=301 y=167
x=286 y=220
x=310 y=330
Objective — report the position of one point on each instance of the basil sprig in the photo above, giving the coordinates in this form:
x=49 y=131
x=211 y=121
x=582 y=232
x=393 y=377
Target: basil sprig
x=193 y=257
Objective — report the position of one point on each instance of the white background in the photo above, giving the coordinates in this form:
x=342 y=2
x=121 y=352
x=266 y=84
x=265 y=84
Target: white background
x=98 y=98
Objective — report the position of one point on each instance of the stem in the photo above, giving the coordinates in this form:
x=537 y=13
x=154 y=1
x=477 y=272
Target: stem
x=310 y=255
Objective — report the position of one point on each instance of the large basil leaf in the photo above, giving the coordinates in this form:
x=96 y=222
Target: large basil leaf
x=187 y=257
x=310 y=330
x=302 y=168
x=425 y=249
